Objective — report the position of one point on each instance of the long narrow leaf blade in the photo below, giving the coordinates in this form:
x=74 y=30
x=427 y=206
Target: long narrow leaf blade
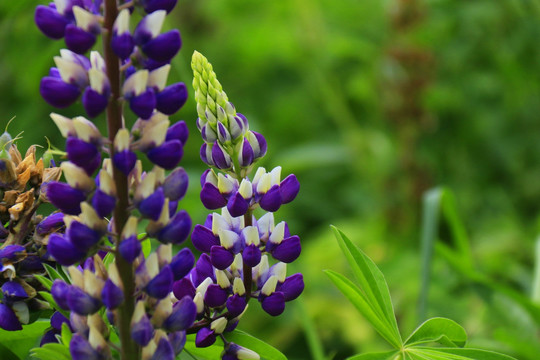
x=372 y=282
x=358 y=299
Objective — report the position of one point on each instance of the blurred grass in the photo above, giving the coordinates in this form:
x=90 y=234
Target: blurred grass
x=369 y=103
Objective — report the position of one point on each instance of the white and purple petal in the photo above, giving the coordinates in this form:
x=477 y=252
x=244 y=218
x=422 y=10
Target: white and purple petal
x=182 y=263
x=58 y=93
x=176 y=184
x=167 y=155
x=164 y=46
x=177 y=230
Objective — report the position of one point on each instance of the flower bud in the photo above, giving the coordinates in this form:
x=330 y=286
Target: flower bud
x=221 y=258
x=182 y=263
x=83 y=154
x=172 y=98
x=81 y=303
x=274 y=304
x=236 y=352
x=167 y=155
x=63 y=251
x=58 y=93
x=163 y=47
x=220 y=157
x=183 y=287
x=111 y=295
x=50 y=22
x=177 y=230
x=203 y=238
x=161 y=285
x=80 y=348
x=183 y=315
x=78 y=40
x=122 y=42
x=288 y=250
x=175 y=184
x=142 y=330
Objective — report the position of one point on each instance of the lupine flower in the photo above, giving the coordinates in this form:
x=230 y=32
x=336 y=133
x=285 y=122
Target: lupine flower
x=234 y=267
x=76 y=75
x=236 y=246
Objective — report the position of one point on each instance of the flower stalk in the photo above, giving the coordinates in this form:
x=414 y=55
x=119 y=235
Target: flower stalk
x=129 y=349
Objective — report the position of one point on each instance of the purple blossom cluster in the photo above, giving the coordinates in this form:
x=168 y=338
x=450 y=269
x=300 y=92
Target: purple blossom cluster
x=155 y=299
x=107 y=197
x=159 y=322
x=144 y=52
x=244 y=256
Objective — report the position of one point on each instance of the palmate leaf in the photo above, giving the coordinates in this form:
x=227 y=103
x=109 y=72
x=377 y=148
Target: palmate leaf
x=375 y=302
x=372 y=297
x=439 y=330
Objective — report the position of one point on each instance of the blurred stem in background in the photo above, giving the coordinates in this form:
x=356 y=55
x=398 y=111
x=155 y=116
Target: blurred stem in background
x=405 y=79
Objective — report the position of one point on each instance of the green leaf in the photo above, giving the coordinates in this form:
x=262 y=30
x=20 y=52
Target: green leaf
x=372 y=284
x=458 y=354
x=313 y=339
x=53 y=274
x=146 y=247
x=51 y=351
x=108 y=259
x=20 y=342
x=359 y=300
x=369 y=276
x=7 y=354
x=265 y=350
x=387 y=355
x=66 y=334
x=438 y=206
x=48 y=297
x=63 y=274
x=440 y=330
x=47 y=283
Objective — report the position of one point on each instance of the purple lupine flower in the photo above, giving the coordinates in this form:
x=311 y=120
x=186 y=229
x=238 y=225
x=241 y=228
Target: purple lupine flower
x=142 y=330
x=122 y=42
x=8 y=319
x=50 y=22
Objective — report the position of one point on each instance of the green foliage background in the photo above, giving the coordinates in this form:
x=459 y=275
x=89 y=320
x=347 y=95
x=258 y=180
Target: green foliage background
x=369 y=103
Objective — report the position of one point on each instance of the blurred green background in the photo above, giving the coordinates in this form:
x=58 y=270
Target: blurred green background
x=370 y=103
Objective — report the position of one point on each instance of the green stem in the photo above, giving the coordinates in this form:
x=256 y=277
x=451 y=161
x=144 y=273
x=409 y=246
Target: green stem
x=130 y=350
